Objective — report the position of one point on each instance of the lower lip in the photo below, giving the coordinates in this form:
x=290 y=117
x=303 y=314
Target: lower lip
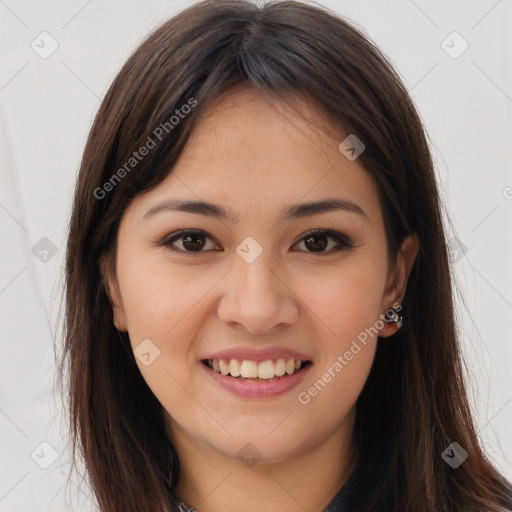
x=253 y=389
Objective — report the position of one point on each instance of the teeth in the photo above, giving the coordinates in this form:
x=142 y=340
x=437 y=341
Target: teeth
x=280 y=367
x=234 y=368
x=251 y=369
x=224 y=368
x=266 y=370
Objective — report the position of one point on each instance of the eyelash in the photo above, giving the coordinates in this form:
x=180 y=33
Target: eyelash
x=343 y=241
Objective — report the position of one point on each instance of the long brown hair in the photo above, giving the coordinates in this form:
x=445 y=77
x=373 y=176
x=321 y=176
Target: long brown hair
x=414 y=403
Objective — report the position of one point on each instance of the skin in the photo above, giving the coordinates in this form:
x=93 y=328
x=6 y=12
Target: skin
x=257 y=157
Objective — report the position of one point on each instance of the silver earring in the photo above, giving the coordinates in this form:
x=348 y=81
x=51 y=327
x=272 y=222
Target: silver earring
x=394 y=318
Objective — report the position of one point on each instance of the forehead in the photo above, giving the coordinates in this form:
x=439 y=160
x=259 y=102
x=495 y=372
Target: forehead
x=248 y=125
x=252 y=153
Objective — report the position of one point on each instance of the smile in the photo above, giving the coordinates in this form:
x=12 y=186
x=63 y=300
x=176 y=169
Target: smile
x=252 y=379
x=264 y=370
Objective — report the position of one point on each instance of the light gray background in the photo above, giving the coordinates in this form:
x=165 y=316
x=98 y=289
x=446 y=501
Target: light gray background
x=46 y=109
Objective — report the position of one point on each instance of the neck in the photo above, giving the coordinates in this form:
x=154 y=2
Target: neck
x=211 y=481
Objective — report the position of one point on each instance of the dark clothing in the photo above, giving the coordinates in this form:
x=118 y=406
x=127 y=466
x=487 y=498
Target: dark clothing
x=343 y=501
x=340 y=503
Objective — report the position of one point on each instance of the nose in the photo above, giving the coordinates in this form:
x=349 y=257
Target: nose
x=258 y=297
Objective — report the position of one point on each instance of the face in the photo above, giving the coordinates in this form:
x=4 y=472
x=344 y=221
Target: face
x=255 y=285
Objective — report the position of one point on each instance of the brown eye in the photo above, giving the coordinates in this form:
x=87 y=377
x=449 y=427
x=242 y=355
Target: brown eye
x=316 y=241
x=192 y=241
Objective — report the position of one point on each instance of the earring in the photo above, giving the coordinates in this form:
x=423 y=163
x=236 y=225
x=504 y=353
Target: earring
x=392 y=317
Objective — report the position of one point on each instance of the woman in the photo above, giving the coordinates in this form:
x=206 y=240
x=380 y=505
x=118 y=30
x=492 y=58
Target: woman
x=259 y=305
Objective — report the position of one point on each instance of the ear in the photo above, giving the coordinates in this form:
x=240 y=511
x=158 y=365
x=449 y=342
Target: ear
x=397 y=280
x=114 y=295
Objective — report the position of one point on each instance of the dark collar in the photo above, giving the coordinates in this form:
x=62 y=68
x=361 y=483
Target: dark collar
x=343 y=500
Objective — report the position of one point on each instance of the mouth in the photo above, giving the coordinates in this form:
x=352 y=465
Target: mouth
x=254 y=371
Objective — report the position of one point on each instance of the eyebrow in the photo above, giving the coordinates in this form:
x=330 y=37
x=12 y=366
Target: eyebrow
x=222 y=212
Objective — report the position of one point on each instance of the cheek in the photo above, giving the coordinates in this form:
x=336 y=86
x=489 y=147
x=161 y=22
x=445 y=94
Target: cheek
x=159 y=306
x=347 y=306
x=156 y=298
x=168 y=306
x=348 y=312
x=347 y=302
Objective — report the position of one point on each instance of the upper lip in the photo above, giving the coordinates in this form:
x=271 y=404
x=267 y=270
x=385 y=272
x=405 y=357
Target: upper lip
x=258 y=355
